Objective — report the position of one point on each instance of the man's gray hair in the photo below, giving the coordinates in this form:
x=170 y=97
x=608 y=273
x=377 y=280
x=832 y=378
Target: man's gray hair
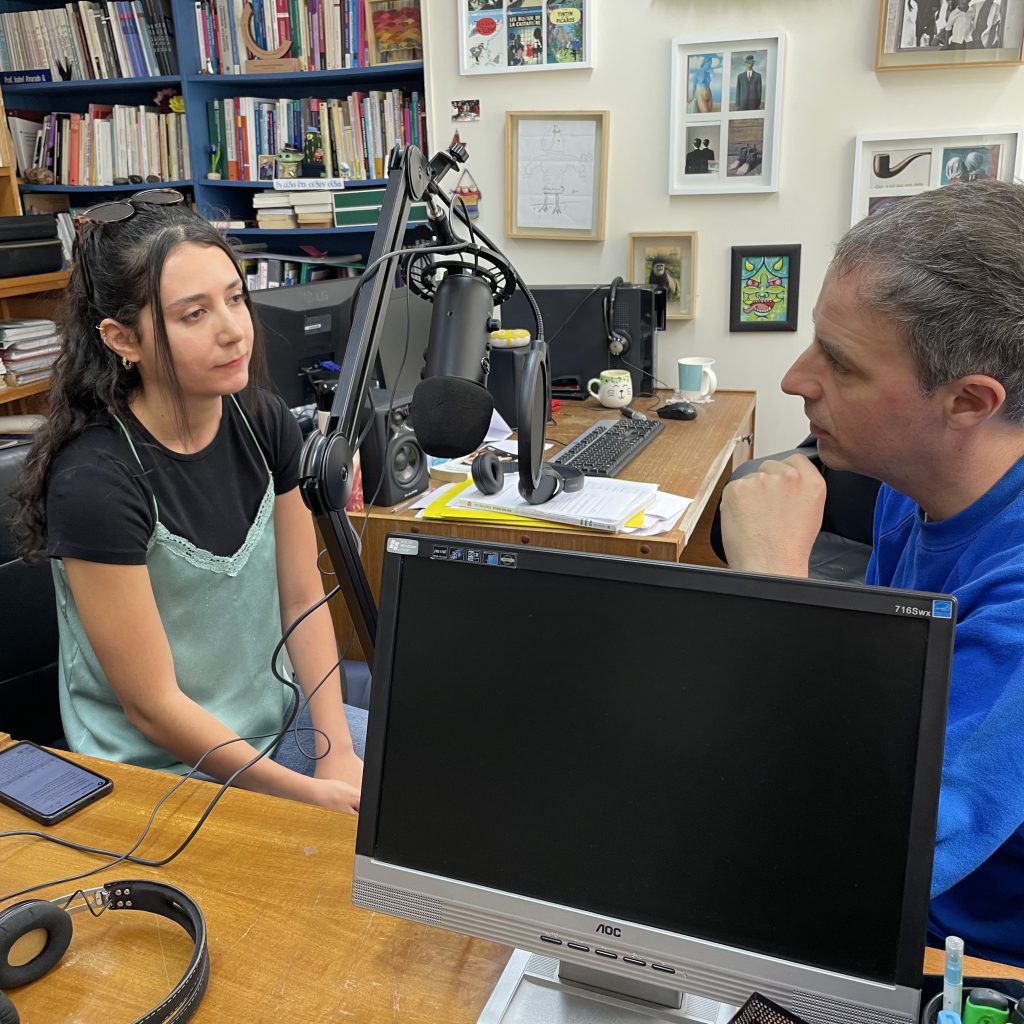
x=947 y=268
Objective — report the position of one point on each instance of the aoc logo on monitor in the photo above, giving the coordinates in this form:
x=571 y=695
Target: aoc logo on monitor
x=607 y=929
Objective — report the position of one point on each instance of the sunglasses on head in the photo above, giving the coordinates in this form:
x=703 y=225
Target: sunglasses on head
x=115 y=212
x=122 y=209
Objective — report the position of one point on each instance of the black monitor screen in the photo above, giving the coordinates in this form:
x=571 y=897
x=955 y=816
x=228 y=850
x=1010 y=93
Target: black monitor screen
x=710 y=763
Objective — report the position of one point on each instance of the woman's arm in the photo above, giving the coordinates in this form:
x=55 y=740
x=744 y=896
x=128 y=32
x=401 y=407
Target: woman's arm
x=121 y=619
x=313 y=647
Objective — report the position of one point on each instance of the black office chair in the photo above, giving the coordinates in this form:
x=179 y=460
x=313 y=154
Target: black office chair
x=29 y=703
x=843 y=547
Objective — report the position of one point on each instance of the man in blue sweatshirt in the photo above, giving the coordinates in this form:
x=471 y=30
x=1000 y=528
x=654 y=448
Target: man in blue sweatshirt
x=915 y=376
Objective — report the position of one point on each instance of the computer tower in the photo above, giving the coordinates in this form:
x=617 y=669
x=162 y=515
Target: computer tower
x=394 y=466
x=576 y=327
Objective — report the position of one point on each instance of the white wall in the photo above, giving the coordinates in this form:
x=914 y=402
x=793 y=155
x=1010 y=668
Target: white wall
x=831 y=94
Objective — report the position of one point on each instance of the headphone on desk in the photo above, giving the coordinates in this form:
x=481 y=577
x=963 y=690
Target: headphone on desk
x=488 y=472
x=618 y=341
x=35 y=934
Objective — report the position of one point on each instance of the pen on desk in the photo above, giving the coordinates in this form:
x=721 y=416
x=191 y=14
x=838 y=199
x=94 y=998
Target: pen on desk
x=953 y=975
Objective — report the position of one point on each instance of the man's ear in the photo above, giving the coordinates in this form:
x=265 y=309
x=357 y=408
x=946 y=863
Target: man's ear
x=971 y=400
x=119 y=339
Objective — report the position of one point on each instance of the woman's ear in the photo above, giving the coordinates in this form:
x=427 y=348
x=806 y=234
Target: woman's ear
x=119 y=339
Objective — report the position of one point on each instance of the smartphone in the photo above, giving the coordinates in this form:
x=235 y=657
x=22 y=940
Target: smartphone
x=45 y=786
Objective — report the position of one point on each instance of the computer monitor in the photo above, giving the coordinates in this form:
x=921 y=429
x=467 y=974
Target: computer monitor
x=576 y=329
x=661 y=783
x=305 y=325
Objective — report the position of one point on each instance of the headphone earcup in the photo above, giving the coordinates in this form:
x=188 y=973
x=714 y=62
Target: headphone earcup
x=19 y=966
x=488 y=473
x=572 y=478
x=8 y=1014
x=551 y=483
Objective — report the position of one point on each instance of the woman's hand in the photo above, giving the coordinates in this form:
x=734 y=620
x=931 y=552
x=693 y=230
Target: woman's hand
x=334 y=795
x=341 y=767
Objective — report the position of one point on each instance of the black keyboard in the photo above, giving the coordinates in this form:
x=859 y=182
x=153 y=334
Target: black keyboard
x=604 y=448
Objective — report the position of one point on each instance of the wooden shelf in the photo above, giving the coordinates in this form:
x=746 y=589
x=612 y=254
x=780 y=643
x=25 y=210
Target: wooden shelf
x=37 y=387
x=55 y=281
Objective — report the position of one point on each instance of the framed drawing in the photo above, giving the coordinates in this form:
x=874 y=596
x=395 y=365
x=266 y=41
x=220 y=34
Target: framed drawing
x=889 y=167
x=513 y=35
x=556 y=174
x=765 y=290
x=726 y=97
x=667 y=260
x=393 y=32
x=949 y=33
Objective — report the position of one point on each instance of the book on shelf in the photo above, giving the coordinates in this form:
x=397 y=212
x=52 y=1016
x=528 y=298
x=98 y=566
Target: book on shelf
x=91 y=39
x=603 y=504
x=325 y=35
x=25 y=329
x=355 y=134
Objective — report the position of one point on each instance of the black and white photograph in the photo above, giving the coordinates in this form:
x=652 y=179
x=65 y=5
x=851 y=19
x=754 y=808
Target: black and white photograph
x=702 y=152
x=948 y=33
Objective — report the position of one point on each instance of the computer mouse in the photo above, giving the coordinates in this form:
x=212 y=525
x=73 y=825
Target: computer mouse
x=678 y=411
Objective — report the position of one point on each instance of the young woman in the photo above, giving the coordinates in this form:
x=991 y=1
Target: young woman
x=164 y=490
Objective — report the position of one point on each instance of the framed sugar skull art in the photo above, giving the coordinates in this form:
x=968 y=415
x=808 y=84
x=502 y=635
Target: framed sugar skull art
x=765 y=288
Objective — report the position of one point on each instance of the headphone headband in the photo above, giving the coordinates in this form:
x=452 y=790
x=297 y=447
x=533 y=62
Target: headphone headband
x=53 y=917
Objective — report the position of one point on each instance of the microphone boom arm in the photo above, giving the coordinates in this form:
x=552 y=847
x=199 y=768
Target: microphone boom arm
x=325 y=470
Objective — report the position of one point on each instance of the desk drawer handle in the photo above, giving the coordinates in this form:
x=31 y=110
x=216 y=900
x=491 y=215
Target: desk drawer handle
x=524 y=539
x=645 y=549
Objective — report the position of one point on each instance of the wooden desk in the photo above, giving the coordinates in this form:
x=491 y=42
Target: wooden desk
x=273 y=879
x=692 y=458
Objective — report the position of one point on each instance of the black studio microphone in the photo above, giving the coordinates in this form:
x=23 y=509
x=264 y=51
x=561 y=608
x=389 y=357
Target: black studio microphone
x=451 y=406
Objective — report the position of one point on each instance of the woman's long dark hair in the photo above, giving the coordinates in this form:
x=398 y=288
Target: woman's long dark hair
x=125 y=262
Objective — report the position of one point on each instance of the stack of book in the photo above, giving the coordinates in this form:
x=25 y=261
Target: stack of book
x=274 y=210
x=28 y=349
x=313 y=209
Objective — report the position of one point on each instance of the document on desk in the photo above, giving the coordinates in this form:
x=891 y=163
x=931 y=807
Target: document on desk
x=602 y=504
x=661 y=515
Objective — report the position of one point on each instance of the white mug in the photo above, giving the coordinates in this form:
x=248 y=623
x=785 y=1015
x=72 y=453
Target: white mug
x=697 y=380
x=613 y=388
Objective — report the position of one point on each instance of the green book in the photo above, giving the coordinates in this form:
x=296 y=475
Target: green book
x=353 y=197
x=369 y=215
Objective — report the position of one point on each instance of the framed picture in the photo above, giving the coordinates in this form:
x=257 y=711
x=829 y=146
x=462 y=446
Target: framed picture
x=393 y=31
x=556 y=174
x=949 y=33
x=667 y=261
x=889 y=167
x=724 y=132
x=525 y=35
x=765 y=290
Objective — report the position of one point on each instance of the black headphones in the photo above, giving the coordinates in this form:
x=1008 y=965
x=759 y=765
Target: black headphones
x=618 y=341
x=489 y=476
x=35 y=934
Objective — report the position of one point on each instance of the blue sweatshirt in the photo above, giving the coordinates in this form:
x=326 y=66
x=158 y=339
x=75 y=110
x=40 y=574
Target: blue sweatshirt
x=978 y=557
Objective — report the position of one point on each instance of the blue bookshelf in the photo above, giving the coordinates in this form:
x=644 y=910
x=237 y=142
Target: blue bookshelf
x=220 y=199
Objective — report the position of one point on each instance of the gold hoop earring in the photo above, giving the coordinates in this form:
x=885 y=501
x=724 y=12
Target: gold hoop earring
x=127 y=363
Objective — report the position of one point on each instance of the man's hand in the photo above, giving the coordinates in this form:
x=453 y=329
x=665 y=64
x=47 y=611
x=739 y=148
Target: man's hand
x=771 y=517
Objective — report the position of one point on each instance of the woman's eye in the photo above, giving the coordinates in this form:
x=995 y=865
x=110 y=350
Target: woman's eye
x=192 y=317
x=236 y=299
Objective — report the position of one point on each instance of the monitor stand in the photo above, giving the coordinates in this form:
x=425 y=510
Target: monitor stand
x=536 y=989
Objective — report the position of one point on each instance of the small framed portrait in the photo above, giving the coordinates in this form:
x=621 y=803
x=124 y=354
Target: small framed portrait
x=725 y=101
x=765 y=288
x=667 y=261
x=888 y=168
x=465 y=110
x=556 y=172
x=393 y=31
x=949 y=33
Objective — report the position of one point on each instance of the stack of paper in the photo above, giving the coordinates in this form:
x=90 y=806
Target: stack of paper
x=602 y=504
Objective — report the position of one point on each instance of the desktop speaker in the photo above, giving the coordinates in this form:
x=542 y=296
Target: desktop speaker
x=394 y=466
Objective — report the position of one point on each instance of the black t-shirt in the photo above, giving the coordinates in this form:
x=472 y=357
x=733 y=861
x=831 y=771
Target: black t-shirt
x=99 y=501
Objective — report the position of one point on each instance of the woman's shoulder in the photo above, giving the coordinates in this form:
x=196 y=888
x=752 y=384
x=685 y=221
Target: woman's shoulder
x=101 y=442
